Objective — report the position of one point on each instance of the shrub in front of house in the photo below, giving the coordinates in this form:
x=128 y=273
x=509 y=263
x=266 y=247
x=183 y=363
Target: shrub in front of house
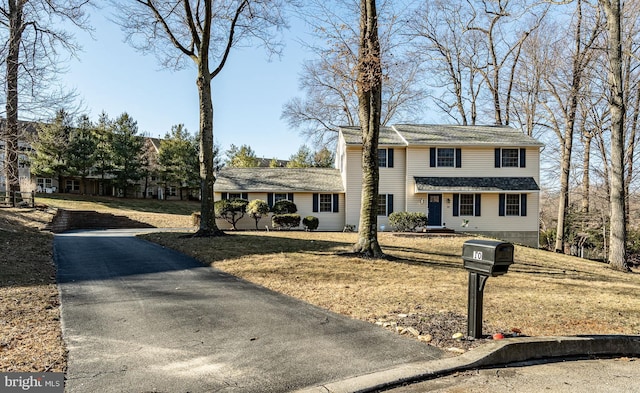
x=257 y=209
x=231 y=210
x=286 y=221
x=406 y=221
x=310 y=223
x=284 y=206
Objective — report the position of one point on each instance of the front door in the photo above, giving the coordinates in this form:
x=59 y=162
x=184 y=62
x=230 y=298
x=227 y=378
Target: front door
x=434 y=213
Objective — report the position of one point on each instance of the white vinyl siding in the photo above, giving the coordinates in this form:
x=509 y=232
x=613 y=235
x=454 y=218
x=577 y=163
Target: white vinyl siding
x=476 y=162
x=392 y=181
x=353 y=186
x=490 y=220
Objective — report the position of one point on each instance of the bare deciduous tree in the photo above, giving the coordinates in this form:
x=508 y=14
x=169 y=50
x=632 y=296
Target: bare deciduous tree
x=204 y=32
x=369 y=83
x=329 y=81
x=474 y=48
x=618 y=233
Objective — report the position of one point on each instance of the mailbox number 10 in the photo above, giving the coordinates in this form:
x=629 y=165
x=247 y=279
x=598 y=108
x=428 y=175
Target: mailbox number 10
x=477 y=255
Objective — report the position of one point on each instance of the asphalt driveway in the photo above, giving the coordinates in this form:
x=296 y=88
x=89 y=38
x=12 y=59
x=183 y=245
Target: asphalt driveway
x=138 y=317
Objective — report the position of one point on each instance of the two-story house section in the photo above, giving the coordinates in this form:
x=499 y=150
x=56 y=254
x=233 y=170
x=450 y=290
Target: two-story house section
x=476 y=179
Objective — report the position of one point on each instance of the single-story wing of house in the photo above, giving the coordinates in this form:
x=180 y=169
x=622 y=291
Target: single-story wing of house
x=315 y=191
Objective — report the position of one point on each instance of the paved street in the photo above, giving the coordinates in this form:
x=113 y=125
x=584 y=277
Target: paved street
x=141 y=318
x=620 y=375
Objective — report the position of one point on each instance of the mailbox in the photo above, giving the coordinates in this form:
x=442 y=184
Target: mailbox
x=483 y=259
x=487 y=257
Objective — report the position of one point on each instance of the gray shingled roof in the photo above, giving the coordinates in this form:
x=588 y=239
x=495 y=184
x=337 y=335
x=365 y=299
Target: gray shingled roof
x=476 y=184
x=279 y=180
x=444 y=135
x=353 y=136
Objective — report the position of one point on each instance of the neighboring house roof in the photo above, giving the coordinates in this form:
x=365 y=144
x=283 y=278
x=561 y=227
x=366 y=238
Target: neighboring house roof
x=156 y=142
x=444 y=135
x=279 y=180
x=266 y=162
x=483 y=184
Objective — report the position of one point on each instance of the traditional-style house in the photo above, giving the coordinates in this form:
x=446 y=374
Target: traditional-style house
x=476 y=179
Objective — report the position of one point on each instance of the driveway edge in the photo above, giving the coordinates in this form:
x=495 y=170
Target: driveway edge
x=511 y=350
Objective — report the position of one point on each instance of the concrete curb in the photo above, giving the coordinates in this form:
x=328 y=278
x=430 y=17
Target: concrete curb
x=511 y=350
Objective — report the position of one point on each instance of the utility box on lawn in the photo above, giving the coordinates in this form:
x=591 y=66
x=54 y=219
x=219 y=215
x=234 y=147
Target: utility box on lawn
x=483 y=259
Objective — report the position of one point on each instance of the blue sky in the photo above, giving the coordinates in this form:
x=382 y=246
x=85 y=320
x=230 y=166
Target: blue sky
x=248 y=94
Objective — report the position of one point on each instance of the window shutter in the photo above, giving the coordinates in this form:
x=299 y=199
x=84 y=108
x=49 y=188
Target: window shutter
x=432 y=157
x=336 y=202
x=501 y=204
x=389 y=158
x=456 y=205
x=458 y=158
x=290 y=197
x=316 y=203
x=523 y=204
x=245 y=195
x=498 y=158
x=270 y=200
x=225 y=195
x=523 y=158
x=477 y=207
x=389 y=204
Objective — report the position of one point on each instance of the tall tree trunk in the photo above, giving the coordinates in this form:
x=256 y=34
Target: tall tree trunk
x=563 y=200
x=587 y=137
x=578 y=65
x=630 y=153
x=618 y=233
x=369 y=83
x=11 y=130
x=208 y=225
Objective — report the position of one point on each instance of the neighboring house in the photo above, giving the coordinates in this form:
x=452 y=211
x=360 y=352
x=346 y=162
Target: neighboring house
x=28 y=183
x=24 y=174
x=94 y=184
x=476 y=179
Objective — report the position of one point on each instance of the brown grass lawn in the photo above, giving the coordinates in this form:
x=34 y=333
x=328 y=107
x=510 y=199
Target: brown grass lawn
x=160 y=214
x=544 y=294
x=30 y=334
x=422 y=285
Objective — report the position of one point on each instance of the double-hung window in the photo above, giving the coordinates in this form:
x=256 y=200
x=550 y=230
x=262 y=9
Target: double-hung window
x=326 y=203
x=280 y=197
x=385 y=204
x=512 y=205
x=385 y=158
x=274 y=197
x=466 y=204
x=510 y=158
x=73 y=185
x=445 y=157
